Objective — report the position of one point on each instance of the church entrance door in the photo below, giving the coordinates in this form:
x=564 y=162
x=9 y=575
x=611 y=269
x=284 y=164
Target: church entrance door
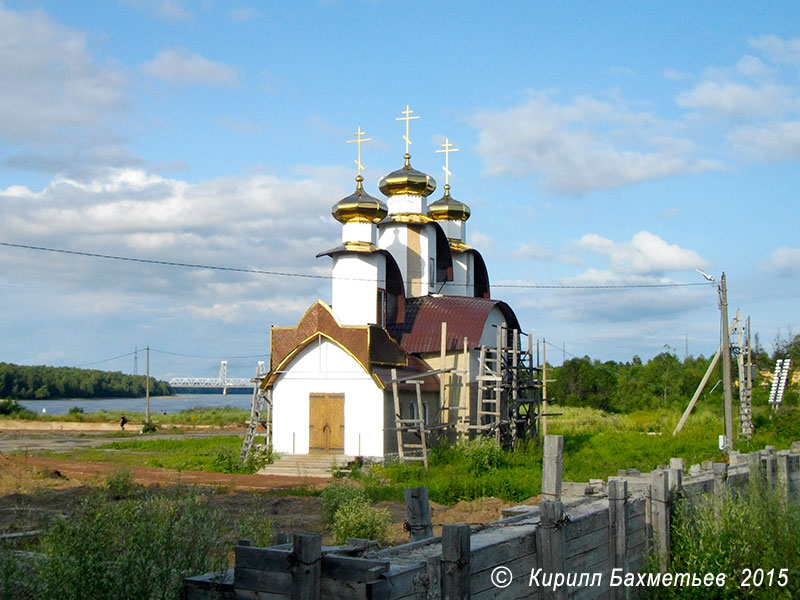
x=326 y=423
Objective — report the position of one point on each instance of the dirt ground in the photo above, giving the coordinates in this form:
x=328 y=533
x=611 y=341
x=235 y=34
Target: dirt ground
x=33 y=489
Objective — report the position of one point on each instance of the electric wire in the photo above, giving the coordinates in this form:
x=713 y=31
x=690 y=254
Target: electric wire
x=331 y=277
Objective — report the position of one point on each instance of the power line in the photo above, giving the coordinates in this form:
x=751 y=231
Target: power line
x=263 y=355
x=97 y=362
x=330 y=277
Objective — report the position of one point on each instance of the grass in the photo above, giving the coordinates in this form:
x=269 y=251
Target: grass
x=751 y=538
x=136 y=547
x=216 y=454
x=219 y=417
x=596 y=445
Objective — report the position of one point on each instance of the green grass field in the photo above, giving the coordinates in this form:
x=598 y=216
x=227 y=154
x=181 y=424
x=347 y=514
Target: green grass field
x=596 y=445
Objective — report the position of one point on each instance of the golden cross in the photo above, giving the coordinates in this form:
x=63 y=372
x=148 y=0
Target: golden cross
x=407 y=112
x=359 y=140
x=448 y=148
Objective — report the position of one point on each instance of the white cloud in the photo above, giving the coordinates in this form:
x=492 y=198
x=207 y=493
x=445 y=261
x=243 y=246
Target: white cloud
x=255 y=222
x=646 y=254
x=584 y=146
x=779 y=50
x=54 y=92
x=771 y=142
x=179 y=66
x=784 y=261
x=538 y=252
x=168 y=9
x=738 y=100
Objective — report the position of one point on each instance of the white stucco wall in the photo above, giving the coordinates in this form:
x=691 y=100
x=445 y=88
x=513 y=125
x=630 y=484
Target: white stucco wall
x=489 y=335
x=354 y=288
x=462 y=276
x=324 y=367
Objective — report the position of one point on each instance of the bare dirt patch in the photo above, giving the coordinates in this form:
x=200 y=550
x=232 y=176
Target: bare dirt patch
x=33 y=489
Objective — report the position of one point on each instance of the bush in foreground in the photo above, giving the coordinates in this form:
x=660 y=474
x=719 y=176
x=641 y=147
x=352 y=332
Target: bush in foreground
x=128 y=549
x=737 y=534
x=356 y=518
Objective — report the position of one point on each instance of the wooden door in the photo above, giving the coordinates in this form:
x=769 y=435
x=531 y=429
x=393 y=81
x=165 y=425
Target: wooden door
x=326 y=423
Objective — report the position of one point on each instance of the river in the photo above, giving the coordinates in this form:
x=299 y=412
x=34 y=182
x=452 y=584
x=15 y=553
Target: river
x=158 y=404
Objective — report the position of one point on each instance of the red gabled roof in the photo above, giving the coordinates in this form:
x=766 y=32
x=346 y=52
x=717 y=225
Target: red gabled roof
x=421 y=330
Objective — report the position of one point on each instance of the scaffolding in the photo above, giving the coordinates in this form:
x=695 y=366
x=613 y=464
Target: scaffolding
x=508 y=389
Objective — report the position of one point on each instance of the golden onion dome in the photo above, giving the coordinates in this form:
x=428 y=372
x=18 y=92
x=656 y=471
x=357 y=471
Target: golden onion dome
x=448 y=208
x=359 y=207
x=407 y=180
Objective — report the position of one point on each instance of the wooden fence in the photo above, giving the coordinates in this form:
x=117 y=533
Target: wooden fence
x=568 y=546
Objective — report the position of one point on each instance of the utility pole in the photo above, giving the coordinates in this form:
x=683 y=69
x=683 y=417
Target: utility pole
x=726 y=365
x=725 y=351
x=147 y=390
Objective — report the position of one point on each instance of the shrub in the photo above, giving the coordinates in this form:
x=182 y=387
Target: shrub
x=356 y=518
x=338 y=494
x=120 y=483
x=149 y=427
x=727 y=535
x=12 y=408
x=134 y=548
x=484 y=454
x=75 y=410
x=256 y=528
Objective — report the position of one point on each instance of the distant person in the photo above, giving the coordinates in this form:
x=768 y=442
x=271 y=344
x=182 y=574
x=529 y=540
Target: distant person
x=122 y=421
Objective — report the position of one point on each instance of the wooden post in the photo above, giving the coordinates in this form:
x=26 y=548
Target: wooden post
x=455 y=562
x=660 y=507
x=398 y=417
x=418 y=513
x=552 y=467
x=551 y=545
x=768 y=460
x=433 y=569
x=720 y=479
x=307 y=566
x=544 y=386
x=444 y=400
x=782 y=474
x=618 y=526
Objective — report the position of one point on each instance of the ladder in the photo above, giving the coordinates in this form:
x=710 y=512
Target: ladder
x=740 y=348
x=779 y=378
x=262 y=399
x=415 y=423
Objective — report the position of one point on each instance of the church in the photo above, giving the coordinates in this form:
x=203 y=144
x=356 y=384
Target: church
x=412 y=345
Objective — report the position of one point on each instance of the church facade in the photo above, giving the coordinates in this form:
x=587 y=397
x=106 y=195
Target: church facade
x=410 y=311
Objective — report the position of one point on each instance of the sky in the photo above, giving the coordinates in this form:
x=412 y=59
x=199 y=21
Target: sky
x=611 y=144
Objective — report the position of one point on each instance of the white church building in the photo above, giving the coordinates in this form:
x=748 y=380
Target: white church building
x=410 y=327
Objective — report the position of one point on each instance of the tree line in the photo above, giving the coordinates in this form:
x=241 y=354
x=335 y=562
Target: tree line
x=663 y=381
x=20 y=382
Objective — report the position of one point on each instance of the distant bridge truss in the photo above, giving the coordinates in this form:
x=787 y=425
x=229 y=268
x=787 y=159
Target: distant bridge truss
x=223 y=381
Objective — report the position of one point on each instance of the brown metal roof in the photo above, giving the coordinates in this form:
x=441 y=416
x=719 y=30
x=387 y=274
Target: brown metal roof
x=421 y=331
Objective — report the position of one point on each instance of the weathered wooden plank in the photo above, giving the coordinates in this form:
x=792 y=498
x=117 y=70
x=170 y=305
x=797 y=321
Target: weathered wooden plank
x=399 y=582
x=491 y=555
x=333 y=566
x=587 y=524
x=520 y=569
x=595 y=560
x=586 y=543
x=256 y=595
x=281 y=584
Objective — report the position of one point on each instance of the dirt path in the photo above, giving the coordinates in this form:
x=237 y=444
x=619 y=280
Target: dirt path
x=147 y=475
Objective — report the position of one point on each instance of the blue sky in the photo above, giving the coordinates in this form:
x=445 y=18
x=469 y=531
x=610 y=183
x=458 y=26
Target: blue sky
x=615 y=143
